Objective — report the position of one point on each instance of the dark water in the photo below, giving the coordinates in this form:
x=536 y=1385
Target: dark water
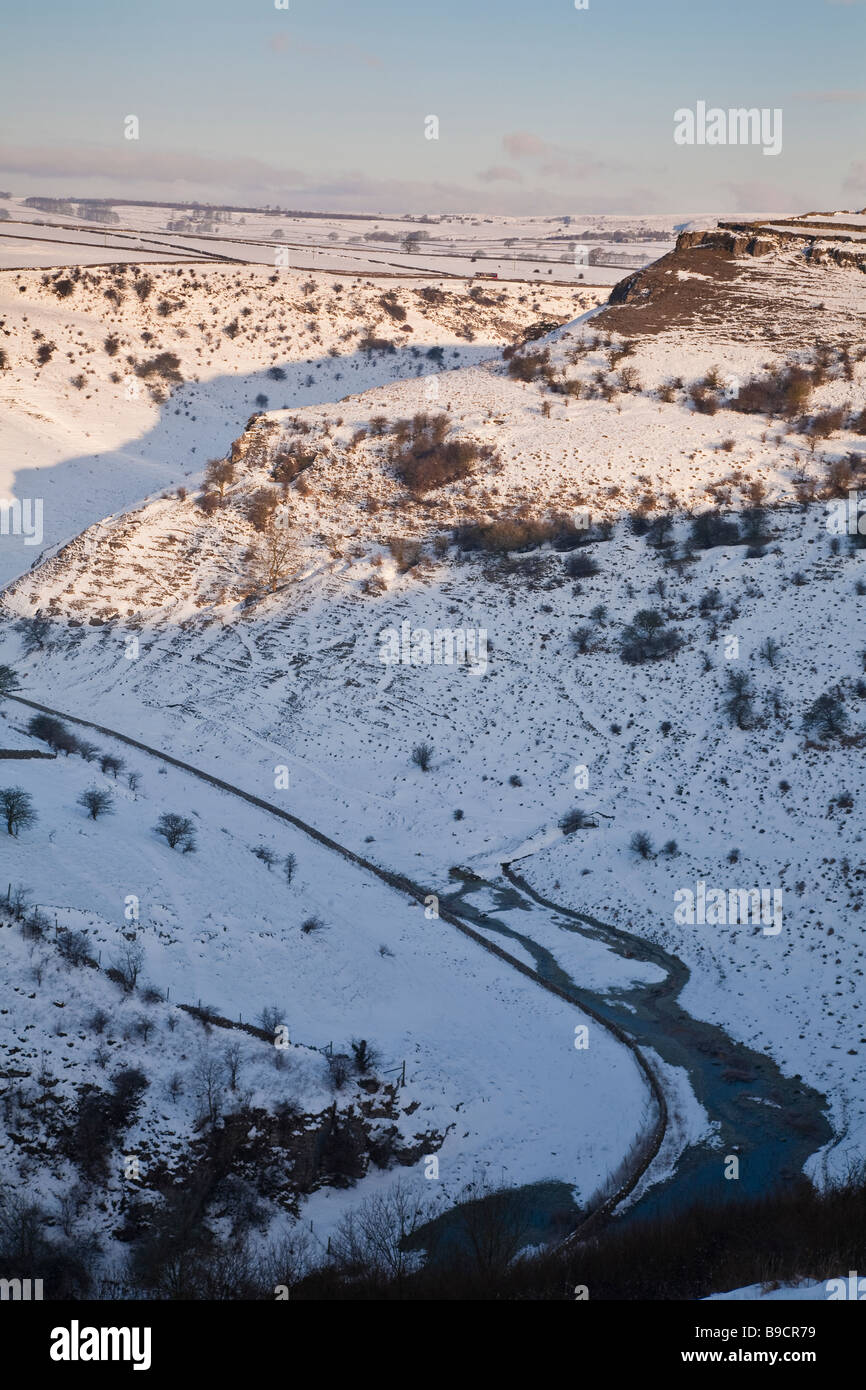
x=731 y=1081
x=519 y=1216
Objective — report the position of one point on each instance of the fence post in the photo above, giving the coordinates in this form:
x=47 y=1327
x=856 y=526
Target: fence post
x=403 y=1077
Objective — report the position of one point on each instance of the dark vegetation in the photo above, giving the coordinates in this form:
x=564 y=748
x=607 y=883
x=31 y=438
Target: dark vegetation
x=423 y=457
x=794 y=1232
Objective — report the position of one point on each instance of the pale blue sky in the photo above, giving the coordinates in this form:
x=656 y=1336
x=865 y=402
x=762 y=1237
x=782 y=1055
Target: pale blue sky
x=542 y=107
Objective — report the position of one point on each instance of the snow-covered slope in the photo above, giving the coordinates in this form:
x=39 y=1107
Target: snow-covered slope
x=153 y=624
x=118 y=382
x=223 y=929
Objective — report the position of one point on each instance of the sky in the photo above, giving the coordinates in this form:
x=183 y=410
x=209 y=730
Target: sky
x=540 y=108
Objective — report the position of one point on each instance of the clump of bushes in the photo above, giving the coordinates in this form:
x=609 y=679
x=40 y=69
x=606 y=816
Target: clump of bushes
x=711 y=528
x=786 y=393
x=165 y=366
x=528 y=366
x=423 y=457
x=289 y=465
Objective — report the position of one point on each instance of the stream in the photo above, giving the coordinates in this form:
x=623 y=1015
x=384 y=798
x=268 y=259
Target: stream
x=772 y=1122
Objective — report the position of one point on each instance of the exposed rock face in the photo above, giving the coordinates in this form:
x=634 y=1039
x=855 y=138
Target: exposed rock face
x=724 y=280
x=624 y=291
x=734 y=243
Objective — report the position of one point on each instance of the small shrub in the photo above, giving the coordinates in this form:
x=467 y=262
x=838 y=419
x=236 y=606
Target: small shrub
x=647 y=639
x=581 y=566
x=74 y=946
x=581 y=637
x=826 y=716
x=422 y=755
x=575 y=819
x=364 y=1057
x=641 y=844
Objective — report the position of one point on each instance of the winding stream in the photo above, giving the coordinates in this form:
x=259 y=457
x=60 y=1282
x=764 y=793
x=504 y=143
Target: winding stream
x=772 y=1122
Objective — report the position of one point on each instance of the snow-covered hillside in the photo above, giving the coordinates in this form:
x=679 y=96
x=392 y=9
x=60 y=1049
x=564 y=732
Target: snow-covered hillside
x=678 y=454
x=118 y=382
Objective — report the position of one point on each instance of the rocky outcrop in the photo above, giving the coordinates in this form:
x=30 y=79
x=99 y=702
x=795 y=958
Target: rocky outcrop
x=734 y=243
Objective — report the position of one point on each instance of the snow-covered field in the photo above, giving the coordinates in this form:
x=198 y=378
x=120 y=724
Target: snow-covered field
x=456 y=245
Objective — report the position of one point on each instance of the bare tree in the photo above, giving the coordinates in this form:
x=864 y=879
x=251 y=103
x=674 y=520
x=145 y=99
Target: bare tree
x=74 y=946
x=288 y=1262
x=209 y=1080
x=739 y=702
x=96 y=802
x=641 y=844
x=128 y=963
x=16 y=808
x=219 y=474
x=271 y=1017
x=176 y=830
x=826 y=716
x=770 y=650
x=232 y=1058
x=8 y=680
x=15 y=899
x=273 y=557
x=495 y=1223
x=374 y=1236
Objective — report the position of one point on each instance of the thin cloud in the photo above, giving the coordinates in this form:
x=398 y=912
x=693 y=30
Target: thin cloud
x=756 y=196
x=128 y=161
x=839 y=94
x=500 y=173
x=555 y=161
x=520 y=144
